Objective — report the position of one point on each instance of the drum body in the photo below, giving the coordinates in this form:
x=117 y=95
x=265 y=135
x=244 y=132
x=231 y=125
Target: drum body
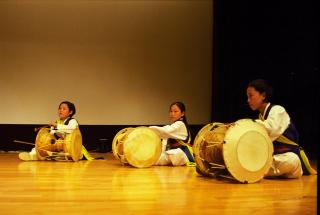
x=241 y=151
x=140 y=147
x=47 y=146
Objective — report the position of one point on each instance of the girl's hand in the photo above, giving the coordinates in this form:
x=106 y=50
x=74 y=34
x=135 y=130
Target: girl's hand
x=228 y=125
x=53 y=124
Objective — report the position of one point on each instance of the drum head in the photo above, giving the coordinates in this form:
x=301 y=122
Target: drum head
x=202 y=146
x=142 y=147
x=73 y=143
x=247 y=151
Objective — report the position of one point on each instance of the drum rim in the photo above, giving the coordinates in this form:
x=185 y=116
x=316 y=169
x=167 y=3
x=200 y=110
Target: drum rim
x=196 y=147
x=116 y=141
x=40 y=132
x=75 y=154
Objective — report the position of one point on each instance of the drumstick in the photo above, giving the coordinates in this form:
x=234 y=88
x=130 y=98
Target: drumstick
x=38 y=128
x=47 y=126
x=23 y=142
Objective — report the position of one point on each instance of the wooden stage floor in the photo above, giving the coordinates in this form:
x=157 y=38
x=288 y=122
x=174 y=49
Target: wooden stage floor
x=107 y=187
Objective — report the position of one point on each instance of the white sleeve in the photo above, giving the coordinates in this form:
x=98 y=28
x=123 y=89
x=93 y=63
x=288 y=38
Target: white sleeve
x=73 y=124
x=277 y=122
x=177 y=130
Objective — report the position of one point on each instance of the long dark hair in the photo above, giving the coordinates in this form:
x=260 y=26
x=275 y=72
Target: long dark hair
x=262 y=86
x=182 y=108
x=70 y=106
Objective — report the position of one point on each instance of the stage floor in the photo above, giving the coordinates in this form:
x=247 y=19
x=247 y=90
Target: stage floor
x=107 y=187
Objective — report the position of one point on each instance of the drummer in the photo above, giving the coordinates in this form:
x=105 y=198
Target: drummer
x=176 y=138
x=59 y=128
x=287 y=160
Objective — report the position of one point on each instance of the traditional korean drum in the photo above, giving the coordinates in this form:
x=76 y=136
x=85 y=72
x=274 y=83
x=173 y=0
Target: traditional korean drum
x=140 y=147
x=240 y=151
x=48 y=147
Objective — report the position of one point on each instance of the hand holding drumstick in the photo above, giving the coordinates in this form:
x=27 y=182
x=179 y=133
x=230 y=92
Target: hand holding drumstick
x=53 y=124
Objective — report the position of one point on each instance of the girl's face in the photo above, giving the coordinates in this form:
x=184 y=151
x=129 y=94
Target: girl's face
x=255 y=98
x=64 y=111
x=175 y=113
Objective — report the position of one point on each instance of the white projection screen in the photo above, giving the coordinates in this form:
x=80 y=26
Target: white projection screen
x=120 y=62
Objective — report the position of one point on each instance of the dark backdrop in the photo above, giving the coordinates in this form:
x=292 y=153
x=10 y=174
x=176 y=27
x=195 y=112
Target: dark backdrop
x=274 y=40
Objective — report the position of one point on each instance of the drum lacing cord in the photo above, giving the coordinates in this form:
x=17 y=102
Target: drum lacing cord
x=59 y=156
x=55 y=155
x=216 y=166
x=215 y=142
x=218 y=173
x=228 y=177
x=213 y=165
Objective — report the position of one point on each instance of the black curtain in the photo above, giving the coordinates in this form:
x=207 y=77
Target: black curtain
x=274 y=40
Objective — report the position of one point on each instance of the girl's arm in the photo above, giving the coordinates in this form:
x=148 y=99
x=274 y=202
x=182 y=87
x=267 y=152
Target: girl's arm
x=177 y=130
x=277 y=122
x=73 y=124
